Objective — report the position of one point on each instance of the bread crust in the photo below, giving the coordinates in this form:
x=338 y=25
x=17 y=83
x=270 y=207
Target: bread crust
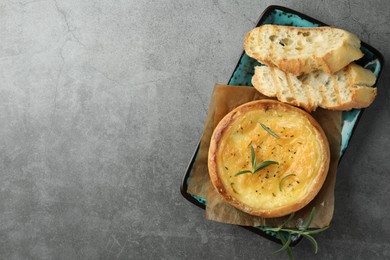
x=258 y=46
x=213 y=162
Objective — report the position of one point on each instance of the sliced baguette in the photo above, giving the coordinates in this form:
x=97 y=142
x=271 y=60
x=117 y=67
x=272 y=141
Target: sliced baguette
x=302 y=50
x=346 y=89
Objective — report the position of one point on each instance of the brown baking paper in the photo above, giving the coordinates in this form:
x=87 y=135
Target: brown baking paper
x=225 y=99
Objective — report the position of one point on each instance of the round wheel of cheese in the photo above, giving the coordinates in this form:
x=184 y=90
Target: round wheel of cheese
x=268 y=158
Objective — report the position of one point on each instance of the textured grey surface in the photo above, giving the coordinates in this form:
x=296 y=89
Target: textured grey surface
x=102 y=104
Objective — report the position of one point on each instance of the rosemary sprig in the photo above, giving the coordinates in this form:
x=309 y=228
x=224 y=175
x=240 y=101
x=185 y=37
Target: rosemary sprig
x=269 y=131
x=303 y=232
x=281 y=181
x=256 y=167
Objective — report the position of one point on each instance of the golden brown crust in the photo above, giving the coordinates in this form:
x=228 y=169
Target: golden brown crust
x=213 y=162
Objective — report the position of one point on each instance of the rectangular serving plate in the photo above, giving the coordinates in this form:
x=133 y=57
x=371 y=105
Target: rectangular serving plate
x=242 y=75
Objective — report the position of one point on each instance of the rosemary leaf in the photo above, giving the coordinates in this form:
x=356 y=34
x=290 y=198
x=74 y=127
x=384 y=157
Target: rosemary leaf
x=287 y=220
x=264 y=164
x=312 y=213
x=281 y=181
x=277 y=229
x=290 y=254
x=242 y=172
x=288 y=249
x=313 y=241
x=292 y=231
x=286 y=244
x=269 y=131
x=315 y=231
x=253 y=157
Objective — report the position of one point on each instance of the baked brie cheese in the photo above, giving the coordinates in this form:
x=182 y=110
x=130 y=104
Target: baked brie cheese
x=268 y=158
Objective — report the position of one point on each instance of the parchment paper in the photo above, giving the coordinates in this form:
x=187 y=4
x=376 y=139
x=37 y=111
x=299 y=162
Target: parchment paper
x=226 y=98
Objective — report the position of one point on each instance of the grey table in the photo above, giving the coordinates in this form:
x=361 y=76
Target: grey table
x=102 y=104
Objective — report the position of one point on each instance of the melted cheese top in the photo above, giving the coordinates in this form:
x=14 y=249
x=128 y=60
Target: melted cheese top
x=298 y=151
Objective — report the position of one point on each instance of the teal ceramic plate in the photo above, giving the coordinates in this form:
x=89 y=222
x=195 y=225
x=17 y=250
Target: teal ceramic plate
x=242 y=76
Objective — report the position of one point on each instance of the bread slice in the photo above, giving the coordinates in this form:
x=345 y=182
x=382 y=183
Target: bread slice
x=302 y=50
x=348 y=88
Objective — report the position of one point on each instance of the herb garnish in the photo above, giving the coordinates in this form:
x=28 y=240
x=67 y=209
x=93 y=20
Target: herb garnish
x=302 y=231
x=269 y=131
x=256 y=167
x=281 y=181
